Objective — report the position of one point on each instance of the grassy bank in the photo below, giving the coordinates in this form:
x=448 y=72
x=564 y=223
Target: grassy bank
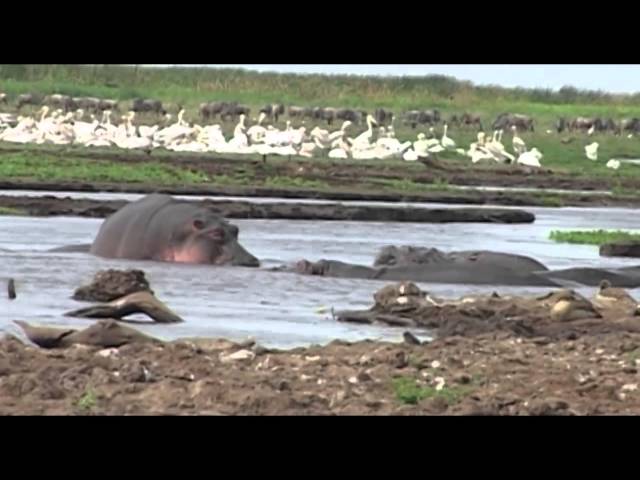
x=189 y=87
x=593 y=237
x=32 y=166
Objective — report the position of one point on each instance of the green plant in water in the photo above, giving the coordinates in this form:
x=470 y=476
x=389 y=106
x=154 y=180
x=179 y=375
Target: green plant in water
x=593 y=237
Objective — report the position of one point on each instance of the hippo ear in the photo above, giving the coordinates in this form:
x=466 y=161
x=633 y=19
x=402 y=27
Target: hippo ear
x=198 y=224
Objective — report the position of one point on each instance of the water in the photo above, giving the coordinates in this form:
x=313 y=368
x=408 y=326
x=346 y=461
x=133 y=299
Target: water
x=278 y=309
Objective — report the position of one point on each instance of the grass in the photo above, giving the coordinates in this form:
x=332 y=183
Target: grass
x=11 y=211
x=294 y=182
x=409 y=186
x=409 y=392
x=188 y=87
x=192 y=85
x=32 y=166
x=593 y=237
x=549 y=200
x=88 y=400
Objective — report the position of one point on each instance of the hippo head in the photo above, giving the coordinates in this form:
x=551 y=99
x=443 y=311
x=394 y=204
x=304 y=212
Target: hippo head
x=209 y=239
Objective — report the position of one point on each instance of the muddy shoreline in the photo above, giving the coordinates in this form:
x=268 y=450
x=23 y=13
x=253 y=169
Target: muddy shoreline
x=492 y=374
x=451 y=196
x=53 y=206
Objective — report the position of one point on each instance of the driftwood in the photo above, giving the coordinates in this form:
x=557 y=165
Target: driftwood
x=45 y=337
x=138 y=302
x=104 y=333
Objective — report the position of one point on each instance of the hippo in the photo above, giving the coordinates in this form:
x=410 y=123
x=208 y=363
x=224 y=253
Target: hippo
x=161 y=228
x=409 y=255
x=447 y=271
x=626 y=277
x=430 y=265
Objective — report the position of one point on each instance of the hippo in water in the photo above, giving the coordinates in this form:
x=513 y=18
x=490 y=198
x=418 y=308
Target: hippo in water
x=430 y=265
x=159 y=227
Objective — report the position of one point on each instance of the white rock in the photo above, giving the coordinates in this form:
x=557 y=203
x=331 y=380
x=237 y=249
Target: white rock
x=108 y=352
x=236 y=356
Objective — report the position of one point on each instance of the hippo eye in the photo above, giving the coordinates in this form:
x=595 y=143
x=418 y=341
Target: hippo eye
x=198 y=224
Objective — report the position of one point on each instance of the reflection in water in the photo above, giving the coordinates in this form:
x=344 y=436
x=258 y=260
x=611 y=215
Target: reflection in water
x=278 y=309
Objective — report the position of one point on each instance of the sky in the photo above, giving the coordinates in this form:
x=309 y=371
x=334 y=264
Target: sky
x=611 y=78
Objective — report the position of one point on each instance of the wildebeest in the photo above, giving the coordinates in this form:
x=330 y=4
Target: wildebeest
x=328 y=114
x=294 y=111
x=424 y=117
x=469 y=119
x=597 y=123
x=148 y=105
x=3 y=98
x=508 y=120
x=273 y=110
x=28 y=99
x=209 y=110
x=107 y=104
x=233 y=109
x=561 y=125
x=383 y=116
x=629 y=125
x=348 y=114
x=64 y=102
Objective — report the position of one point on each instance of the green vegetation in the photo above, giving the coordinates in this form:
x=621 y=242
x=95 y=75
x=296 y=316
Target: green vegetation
x=88 y=400
x=295 y=182
x=28 y=165
x=551 y=200
x=409 y=186
x=408 y=391
x=197 y=84
x=593 y=237
x=10 y=211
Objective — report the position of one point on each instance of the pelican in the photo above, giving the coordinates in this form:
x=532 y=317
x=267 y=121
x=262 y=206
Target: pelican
x=518 y=144
x=447 y=142
x=364 y=139
x=257 y=132
x=613 y=164
x=531 y=158
x=591 y=151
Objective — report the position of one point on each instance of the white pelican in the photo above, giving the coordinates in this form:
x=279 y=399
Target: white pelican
x=591 y=151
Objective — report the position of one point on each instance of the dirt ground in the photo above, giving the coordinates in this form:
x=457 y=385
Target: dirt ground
x=491 y=374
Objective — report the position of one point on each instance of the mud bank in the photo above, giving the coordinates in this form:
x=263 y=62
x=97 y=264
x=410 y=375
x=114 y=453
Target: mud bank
x=448 y=195
x=53 y=206
x=491 y=374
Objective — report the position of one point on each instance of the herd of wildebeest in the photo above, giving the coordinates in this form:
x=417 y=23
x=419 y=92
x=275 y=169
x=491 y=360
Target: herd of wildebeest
x=231 y=110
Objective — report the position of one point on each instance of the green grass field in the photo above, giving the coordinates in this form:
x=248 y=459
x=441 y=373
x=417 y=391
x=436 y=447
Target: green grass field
x=189 y=87
x=30 y=166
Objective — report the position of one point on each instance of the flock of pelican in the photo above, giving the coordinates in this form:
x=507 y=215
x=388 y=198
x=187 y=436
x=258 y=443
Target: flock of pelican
x=63 y=129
